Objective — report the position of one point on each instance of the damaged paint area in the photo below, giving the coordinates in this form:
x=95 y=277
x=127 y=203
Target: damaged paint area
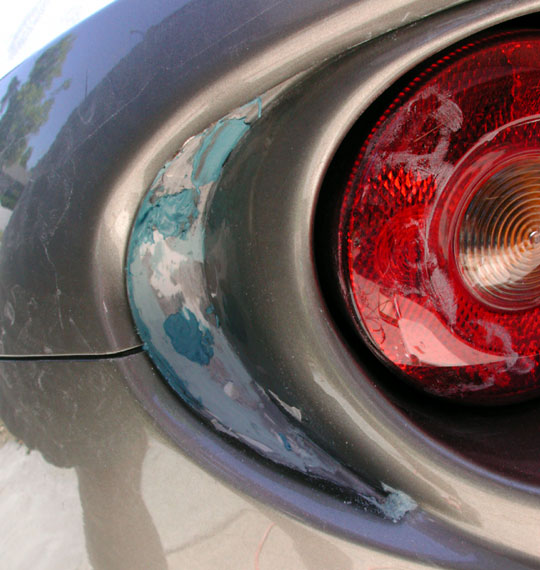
x=178 y=323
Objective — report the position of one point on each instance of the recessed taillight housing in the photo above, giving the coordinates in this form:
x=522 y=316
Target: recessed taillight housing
x=439 y=230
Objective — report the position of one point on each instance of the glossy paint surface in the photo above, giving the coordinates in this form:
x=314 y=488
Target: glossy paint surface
x=106 y=423
x=102 y=489
x=117 y=494
x=31 y=24
x=130 y=92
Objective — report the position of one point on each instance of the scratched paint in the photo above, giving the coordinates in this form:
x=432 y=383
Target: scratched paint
x=181 y=330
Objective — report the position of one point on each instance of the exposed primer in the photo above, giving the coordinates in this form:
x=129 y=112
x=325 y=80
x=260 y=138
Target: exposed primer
x=181 y=330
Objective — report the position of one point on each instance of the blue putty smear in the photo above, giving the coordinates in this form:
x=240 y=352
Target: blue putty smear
x=180 y=329
x=188 y=337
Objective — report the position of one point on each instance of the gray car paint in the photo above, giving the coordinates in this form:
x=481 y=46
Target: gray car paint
x=81 y=415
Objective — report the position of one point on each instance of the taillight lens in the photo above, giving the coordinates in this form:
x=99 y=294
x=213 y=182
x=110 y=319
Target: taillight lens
x=440 y=227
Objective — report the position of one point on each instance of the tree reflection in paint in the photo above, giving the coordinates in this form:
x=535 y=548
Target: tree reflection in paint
x=24 y=108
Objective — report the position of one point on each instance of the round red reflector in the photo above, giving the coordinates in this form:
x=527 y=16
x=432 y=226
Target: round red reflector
x=440 y=227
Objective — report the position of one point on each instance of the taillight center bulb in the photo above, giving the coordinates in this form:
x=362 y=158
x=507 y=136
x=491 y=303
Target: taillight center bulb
x=498 y=237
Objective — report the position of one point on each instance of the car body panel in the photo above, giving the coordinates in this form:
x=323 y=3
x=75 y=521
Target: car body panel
x=76 y=383
x=135 y=95
x=142 y=503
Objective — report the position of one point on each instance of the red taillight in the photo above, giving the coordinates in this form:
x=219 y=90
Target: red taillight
x=440 y=226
